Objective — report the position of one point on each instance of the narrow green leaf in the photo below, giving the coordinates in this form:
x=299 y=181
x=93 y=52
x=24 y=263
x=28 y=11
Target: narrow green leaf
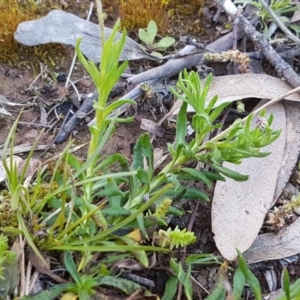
x=202 y=259
x=187 y=284
x=115 y=211
x=197 y=175
x=111 y=191
x=126 y=286
x=181 y=125
x=217 y=111
x=213 y=176
x=175 y=211
x=195 y=194
x=28 y=237
x=218 y=293
x=170 y=288
x=141 y=224
x=238 y=283
x=143 y=149
x=230 y=173
x=108 y=161
x=71 y=267
x=295 y=289
x=113 y=106
x=286 y=284
x=249 y=277
x=142 y=175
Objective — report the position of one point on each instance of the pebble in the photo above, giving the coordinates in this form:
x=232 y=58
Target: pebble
x=86 y=83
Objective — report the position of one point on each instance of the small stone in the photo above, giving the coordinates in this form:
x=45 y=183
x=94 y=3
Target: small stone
x=86 y=82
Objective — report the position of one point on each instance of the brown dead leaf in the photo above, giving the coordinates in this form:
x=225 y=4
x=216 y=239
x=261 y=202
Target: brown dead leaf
x=292 y=146
x=43 y=268
x=295 y=17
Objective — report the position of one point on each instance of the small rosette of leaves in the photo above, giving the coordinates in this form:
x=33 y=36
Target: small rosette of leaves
x=148 y=37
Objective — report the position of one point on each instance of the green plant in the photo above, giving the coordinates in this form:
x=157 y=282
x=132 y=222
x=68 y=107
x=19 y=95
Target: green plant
x=243 y=275
x=81 y=205
x=179 y=276
x=148 y=37
x=135 y=16
x=175 y=238
x=8 y=269
x=279 y=8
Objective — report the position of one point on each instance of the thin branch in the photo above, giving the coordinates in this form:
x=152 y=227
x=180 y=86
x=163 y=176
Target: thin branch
x=279 y=23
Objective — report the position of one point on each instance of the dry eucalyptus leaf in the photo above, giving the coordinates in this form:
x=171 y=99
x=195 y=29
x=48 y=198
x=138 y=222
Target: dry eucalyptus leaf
x=237 y=87
x=271 y=246
x=296 y=17
x=239 y=208
x=149 y=125
x=292 y=146
x=65 y=28
x=231 y=88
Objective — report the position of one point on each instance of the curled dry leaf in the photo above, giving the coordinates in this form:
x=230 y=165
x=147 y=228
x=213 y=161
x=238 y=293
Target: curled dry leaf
x=42 y=267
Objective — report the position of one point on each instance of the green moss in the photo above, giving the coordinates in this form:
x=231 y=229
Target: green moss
x=12 y=13
x=135 y=16
x=8 y=217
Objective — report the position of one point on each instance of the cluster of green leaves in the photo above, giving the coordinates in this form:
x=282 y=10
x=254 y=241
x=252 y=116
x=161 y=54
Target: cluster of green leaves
x=8 y=268
x=223 y=287
x=148 y=37
x=238 y=142
x=280 y=8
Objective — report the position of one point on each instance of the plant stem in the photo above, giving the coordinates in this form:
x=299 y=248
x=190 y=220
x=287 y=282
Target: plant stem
x=101 y=21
